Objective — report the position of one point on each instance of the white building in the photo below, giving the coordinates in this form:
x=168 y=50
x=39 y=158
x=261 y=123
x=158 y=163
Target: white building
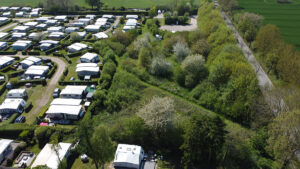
x=21 y=44
x=66 y=112
x=4 y=8
x=56 y=35
x=52 y=155
x=3 y=19
x=14 y=8
x=36 y=72
x=21 y=29
x=19 y=14
x=34 y=35
x=132 y=17
x=26 y=9
x=92 y=28
x=51 y=22
x=61 y=18
x=42 y=19
x=84 y=20
x=6 y=14
x=110 y=18
x=3 y=34
x=6 y=61
x=31 y=24
x=3 y=45
x=29 y=61
x=127 y=28
x=90 y=16
x=18 y=35
x=76 y=47
x=56 y=29
x=78 y=24
x=17 y=93
x=89 y=58
x=34 y=14
x=5 y=148
x=47 y=44
x=87 y=69
x=71 y=29
x=128 y=156
x=81 y=34
x=41 y=26
x=69 y=102
x=101 y=35
x=131 y=22
x=11 y=106
x=74 y=92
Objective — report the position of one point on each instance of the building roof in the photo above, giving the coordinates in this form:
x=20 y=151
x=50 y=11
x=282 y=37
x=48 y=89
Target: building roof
x=16 y=91
x=37 y=67
x=88 y=69
x=93 y=27
x=61 y=17
x=77 y=46
x=128 y=156
x=34 y=59
x=132 y=16
x=84 y=20
x=89 y=56
x=56 y=34
x=108 y=16
x=54 y=42
x=12 y=103
x=3 y=34
x=7 y=58
x=86 y=65
x=34 y=72
x=70 y=102
x=55 y=29
x=101 y=35
x=18 y=35
x=49 y=157
x=64 y=109
x=4 y=143
x=31 y=24
x=20 y=28
x=27 y=62
x=102 y=19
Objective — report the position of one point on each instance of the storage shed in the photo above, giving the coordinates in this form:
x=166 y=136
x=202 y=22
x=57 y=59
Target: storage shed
x=21 y=44
x=76 y=47
x=92 y=28
x=6 y=61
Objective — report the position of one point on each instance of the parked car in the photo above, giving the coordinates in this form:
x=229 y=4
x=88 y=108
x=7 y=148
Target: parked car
x=56 y=92
x=20 y=119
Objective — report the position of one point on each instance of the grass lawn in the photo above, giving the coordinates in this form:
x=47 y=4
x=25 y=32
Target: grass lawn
x=110 y=3
x=78 y=164
x=285 y=16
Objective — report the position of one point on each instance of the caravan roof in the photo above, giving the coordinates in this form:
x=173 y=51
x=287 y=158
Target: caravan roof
x=70 y=102
x=12 y=103
x=86 y=65
x=64 y=109
x=4 y=143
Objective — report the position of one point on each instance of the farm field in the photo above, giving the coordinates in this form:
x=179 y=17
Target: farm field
x=110 y=3
x=285 y=16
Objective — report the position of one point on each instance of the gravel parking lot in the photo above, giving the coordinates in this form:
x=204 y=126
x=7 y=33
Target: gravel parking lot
x=180 y=28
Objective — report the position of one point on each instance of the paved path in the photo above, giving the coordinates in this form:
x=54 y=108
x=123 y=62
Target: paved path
x=265 y=84
x=8 y=26
x=179 y=28
x=45 y=98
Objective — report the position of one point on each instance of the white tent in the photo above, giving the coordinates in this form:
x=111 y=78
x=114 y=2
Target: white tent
x=128 y=156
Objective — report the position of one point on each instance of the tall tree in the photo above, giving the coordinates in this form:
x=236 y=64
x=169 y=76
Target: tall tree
x=96 y=143
x=93 y=3
x=284 y=138
x=203 y=141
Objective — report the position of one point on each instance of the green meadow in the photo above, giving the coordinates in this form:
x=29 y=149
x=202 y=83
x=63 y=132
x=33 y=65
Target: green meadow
x=110 y=3
x=285 y=16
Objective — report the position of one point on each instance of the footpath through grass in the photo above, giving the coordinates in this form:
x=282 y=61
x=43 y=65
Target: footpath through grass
x=285 y=16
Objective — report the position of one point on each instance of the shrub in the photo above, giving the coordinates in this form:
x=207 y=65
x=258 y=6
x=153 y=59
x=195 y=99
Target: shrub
x=144 y=58
x=181 y=50
x=161 y=67
x=75 y=37
x=201 y=47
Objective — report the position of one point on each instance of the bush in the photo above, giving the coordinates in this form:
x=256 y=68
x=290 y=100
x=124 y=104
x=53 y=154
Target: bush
x=161 y=67
x=75 y=37
x=181 y=50
x=145 y=58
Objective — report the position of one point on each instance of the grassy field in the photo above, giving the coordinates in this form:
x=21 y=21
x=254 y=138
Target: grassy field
x=285 y=16
x=110 y=3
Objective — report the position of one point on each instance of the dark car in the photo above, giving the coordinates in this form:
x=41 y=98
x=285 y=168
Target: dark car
x=20 y=119
x=56 y=92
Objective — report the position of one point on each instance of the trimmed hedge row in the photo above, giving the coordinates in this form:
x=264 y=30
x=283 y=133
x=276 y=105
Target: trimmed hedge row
x=16 y=73
x=13 y=118
x=12 y=131
x=99 y=13
x=42 y=114
x=23 y=82
x=8 y=53
x=2 y=88
x=75 y=54
x=52 y=71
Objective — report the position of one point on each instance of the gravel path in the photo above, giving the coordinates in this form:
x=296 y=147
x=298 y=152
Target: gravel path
x=8 y=26
x=45 y=98
x=276 y=104
x=179 y=28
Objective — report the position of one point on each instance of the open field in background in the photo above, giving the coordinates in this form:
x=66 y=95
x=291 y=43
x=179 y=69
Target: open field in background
x=285 y=16
x=110 y=3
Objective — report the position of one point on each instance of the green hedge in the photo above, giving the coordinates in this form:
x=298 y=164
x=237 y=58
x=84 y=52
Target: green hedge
x=68 y=59
x=23 y=82
x=112 y=12
x=2 y=88
x=52 y=71
x=13 y=118
x=8 y=53
x=34 y=53
x=13 y=131
x=47 y=52
x=75 y=54
x=42 y=114
x=16 y=73
x=5 y=23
